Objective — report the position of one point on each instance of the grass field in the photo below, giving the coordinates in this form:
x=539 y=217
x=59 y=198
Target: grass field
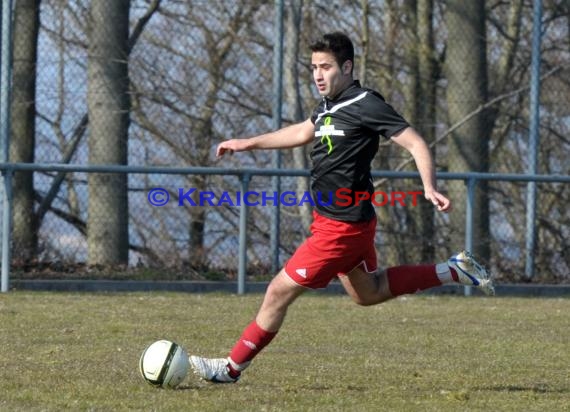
x=64 y=351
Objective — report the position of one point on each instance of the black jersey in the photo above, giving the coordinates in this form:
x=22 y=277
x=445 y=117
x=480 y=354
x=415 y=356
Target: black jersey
x=347 y=130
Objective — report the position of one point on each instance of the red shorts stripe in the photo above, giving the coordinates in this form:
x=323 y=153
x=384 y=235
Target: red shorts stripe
x=334 y=249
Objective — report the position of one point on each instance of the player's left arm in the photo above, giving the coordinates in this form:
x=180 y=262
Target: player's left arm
x=410 y=140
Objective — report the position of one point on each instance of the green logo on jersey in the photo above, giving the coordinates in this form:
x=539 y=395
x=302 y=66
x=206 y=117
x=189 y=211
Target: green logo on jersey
x=326 y=139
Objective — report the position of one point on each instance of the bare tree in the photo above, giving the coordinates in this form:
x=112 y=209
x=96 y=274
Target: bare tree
x=421 y=105
x=187 y=118
x=365 y=5
x=23 y=142
x=466 y=71
x=109 y=107
x=293 y=98
x=200 y=74
x=389 y=222
x=426 y=105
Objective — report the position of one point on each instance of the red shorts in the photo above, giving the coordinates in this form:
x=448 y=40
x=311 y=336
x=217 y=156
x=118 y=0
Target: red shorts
x=334 y=249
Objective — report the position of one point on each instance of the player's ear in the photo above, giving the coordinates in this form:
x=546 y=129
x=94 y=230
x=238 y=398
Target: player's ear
x=347 y=67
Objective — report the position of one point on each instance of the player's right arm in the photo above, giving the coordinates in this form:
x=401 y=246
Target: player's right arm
x=288 y=137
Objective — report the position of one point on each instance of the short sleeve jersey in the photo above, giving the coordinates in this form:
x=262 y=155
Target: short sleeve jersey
x=347 y=134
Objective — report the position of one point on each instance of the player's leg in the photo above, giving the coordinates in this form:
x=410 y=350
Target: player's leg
x=281 y=292
x=368 y=289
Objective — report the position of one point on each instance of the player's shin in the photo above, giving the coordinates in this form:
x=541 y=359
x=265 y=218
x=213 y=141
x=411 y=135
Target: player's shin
x=251 y=342
x=408 y=279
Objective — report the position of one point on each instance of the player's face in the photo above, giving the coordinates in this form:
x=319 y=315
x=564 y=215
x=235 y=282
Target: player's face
x=329 y=77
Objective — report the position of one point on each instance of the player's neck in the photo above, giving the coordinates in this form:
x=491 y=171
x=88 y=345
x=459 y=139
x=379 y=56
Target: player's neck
x=342 y=89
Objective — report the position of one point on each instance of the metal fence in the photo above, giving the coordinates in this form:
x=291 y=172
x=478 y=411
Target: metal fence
x=162 y=83
x=246 y=229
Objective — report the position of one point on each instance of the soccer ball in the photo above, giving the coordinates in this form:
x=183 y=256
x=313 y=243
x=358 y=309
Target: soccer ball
x=164 y=364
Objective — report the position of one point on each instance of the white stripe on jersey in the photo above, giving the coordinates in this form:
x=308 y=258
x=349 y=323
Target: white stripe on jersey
x=329 y=132
x=341 y=105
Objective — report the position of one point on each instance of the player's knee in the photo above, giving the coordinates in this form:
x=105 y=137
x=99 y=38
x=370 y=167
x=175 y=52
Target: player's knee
x=364 y=300
x=279 y=295
x=369 y=300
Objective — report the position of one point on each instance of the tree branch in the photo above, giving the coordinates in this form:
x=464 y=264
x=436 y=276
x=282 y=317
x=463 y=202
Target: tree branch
x=469 y=117
x=79 y=130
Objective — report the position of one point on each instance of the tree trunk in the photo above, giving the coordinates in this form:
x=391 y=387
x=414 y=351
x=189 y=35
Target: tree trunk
x=466 y=70
x=293 y=106
x=365 y=34
x=109 y=107
x=420 y=112
x=22 y=145
x=427 y=78
x=387 y=225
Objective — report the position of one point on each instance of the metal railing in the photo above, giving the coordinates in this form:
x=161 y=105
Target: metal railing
x=471 y=180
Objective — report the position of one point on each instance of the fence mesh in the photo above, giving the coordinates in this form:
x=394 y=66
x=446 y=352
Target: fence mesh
x=163 y=82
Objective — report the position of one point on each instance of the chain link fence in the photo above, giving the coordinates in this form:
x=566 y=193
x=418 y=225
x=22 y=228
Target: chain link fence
x=163 y=82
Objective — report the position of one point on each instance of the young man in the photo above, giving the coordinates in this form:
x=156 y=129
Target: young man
x=344 y=130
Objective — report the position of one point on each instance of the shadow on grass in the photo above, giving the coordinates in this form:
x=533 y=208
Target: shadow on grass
x=519 y=388
x=188 y=387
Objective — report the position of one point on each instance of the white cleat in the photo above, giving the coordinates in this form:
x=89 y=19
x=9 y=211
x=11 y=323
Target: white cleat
x=212 y=370
x=471 y=273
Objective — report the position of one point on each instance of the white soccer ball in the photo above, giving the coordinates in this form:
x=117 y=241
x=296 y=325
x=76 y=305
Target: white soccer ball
x=164 y=364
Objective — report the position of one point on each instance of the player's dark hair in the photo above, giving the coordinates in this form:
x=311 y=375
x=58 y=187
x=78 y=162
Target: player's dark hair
x=337 y=43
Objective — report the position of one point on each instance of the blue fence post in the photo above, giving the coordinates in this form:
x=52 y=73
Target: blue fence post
x=6 y=229
x=534 y=137
x=471 y=185
x=5 y=98
x=275 y=233
x=243 y=212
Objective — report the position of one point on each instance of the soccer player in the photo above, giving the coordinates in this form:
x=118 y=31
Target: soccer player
x=344 y=130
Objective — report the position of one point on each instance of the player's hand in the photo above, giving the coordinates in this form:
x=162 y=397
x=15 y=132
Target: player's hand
x=229 y=147
x=442 y=203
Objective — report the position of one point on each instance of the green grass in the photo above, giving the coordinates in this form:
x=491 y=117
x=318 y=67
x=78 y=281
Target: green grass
x=65 y=351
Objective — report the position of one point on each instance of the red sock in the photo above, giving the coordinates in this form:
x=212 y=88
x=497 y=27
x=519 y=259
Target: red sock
x=252 y=340
x=454 y=275
x=407 y=279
